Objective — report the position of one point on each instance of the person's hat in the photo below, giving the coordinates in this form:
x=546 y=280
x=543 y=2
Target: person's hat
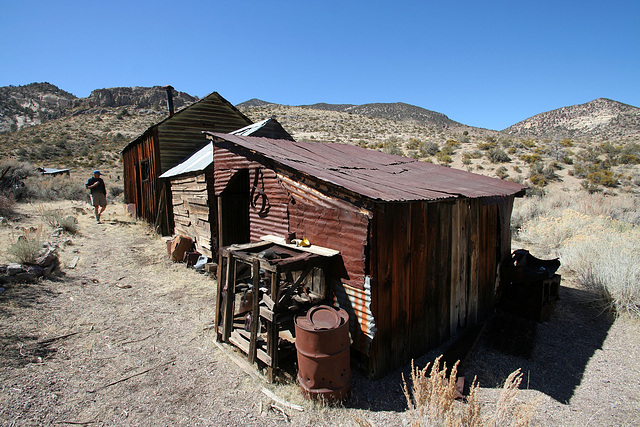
x=97 y=172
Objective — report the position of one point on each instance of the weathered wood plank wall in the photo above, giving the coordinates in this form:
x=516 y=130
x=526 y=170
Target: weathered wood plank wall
x=143 y=193
x=195 y=210
x=434 y=272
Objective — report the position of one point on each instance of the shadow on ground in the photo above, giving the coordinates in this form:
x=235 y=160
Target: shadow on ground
x=18 y=348
x=552 y=355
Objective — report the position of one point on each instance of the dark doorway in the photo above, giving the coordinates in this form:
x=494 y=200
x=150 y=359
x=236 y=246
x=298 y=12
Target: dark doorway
x=233 y=206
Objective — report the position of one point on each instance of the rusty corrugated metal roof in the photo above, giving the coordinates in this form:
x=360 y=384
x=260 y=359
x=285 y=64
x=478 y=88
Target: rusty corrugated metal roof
x=373 y=174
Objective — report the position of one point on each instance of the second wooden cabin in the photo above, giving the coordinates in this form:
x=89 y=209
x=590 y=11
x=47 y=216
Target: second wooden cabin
x=192 y=204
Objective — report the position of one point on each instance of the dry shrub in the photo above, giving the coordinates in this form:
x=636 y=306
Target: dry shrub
x=57 y=219
x=25 y=248
x=69 y=224
x=603 y=252
x=551 y=232
x=607 y=262
x=50 y=216
x=432 y=400
x=56 y=188
x=6 y=205
x=12 y=178
x=622 y=208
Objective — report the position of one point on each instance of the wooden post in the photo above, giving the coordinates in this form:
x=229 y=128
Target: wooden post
x=255 y=312
x=272 y=328
x=231 y=296
x=222 y=277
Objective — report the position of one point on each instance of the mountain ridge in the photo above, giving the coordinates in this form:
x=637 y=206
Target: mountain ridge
x=602 y=149
x=601 y=117
x=36 y=103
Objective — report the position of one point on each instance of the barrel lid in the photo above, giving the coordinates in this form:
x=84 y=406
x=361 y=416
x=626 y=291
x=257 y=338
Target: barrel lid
x=323 y=317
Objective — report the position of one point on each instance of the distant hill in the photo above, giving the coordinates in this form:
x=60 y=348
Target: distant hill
x=254 y=102
x=602 y=118
x=397 y=111
x=135 y=97
x=37 y=103
x=32 y=104
x=596 y=145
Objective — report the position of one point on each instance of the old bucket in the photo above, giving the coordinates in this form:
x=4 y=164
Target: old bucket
x=322 y=344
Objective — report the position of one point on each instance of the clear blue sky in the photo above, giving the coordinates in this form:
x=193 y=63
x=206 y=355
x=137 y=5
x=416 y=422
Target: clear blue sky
x=483 y=63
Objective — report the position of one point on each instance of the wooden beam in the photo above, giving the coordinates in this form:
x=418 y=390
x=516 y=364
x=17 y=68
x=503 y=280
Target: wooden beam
x=255 y=312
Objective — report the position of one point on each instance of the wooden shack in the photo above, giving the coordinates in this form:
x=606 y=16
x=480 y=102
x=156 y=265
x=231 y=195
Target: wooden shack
x=192 y=206
x=166 y=144
x=419 y=243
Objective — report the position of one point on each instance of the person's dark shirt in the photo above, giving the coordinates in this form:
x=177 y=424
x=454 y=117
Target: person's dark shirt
x=100 y=188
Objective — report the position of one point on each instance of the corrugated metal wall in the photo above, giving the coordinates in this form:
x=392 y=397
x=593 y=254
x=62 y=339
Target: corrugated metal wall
x=332 y=223
x=295 y=207
x=268 y=199
x=434 y=271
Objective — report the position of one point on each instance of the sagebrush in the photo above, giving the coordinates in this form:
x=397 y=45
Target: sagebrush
x=432 y=400
x=597 y=238
x=26 y=247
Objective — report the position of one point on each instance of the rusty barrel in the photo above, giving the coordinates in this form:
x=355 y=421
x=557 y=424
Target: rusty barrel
x=322 y=344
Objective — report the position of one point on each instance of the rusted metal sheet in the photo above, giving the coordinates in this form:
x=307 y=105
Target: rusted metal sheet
x=268 y=128
x=226 y=164
x=376 y=175
x=332 y=223
x=357 y=303
x=267 y=204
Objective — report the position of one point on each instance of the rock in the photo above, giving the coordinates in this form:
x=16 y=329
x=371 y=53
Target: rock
x=13 y=269
x=47 y=255
x=25 y=277
x=36 y=270
x=46 y=259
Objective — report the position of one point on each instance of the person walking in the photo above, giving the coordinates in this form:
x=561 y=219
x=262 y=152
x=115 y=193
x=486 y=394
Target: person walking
x=98 y=194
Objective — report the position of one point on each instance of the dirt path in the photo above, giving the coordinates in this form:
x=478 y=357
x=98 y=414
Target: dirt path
x=121 y=339
x=124 y=338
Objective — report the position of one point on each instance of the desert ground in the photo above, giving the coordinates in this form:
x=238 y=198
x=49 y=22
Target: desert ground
x=125 y=338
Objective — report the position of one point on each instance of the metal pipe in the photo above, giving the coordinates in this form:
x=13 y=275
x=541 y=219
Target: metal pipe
x=169 y=90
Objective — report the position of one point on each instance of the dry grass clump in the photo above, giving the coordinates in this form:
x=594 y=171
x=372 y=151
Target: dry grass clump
x=26 y=247
x=57 y=219
x=55 y=188
x=602 y=251
x=432 y=400
x=607 y=262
